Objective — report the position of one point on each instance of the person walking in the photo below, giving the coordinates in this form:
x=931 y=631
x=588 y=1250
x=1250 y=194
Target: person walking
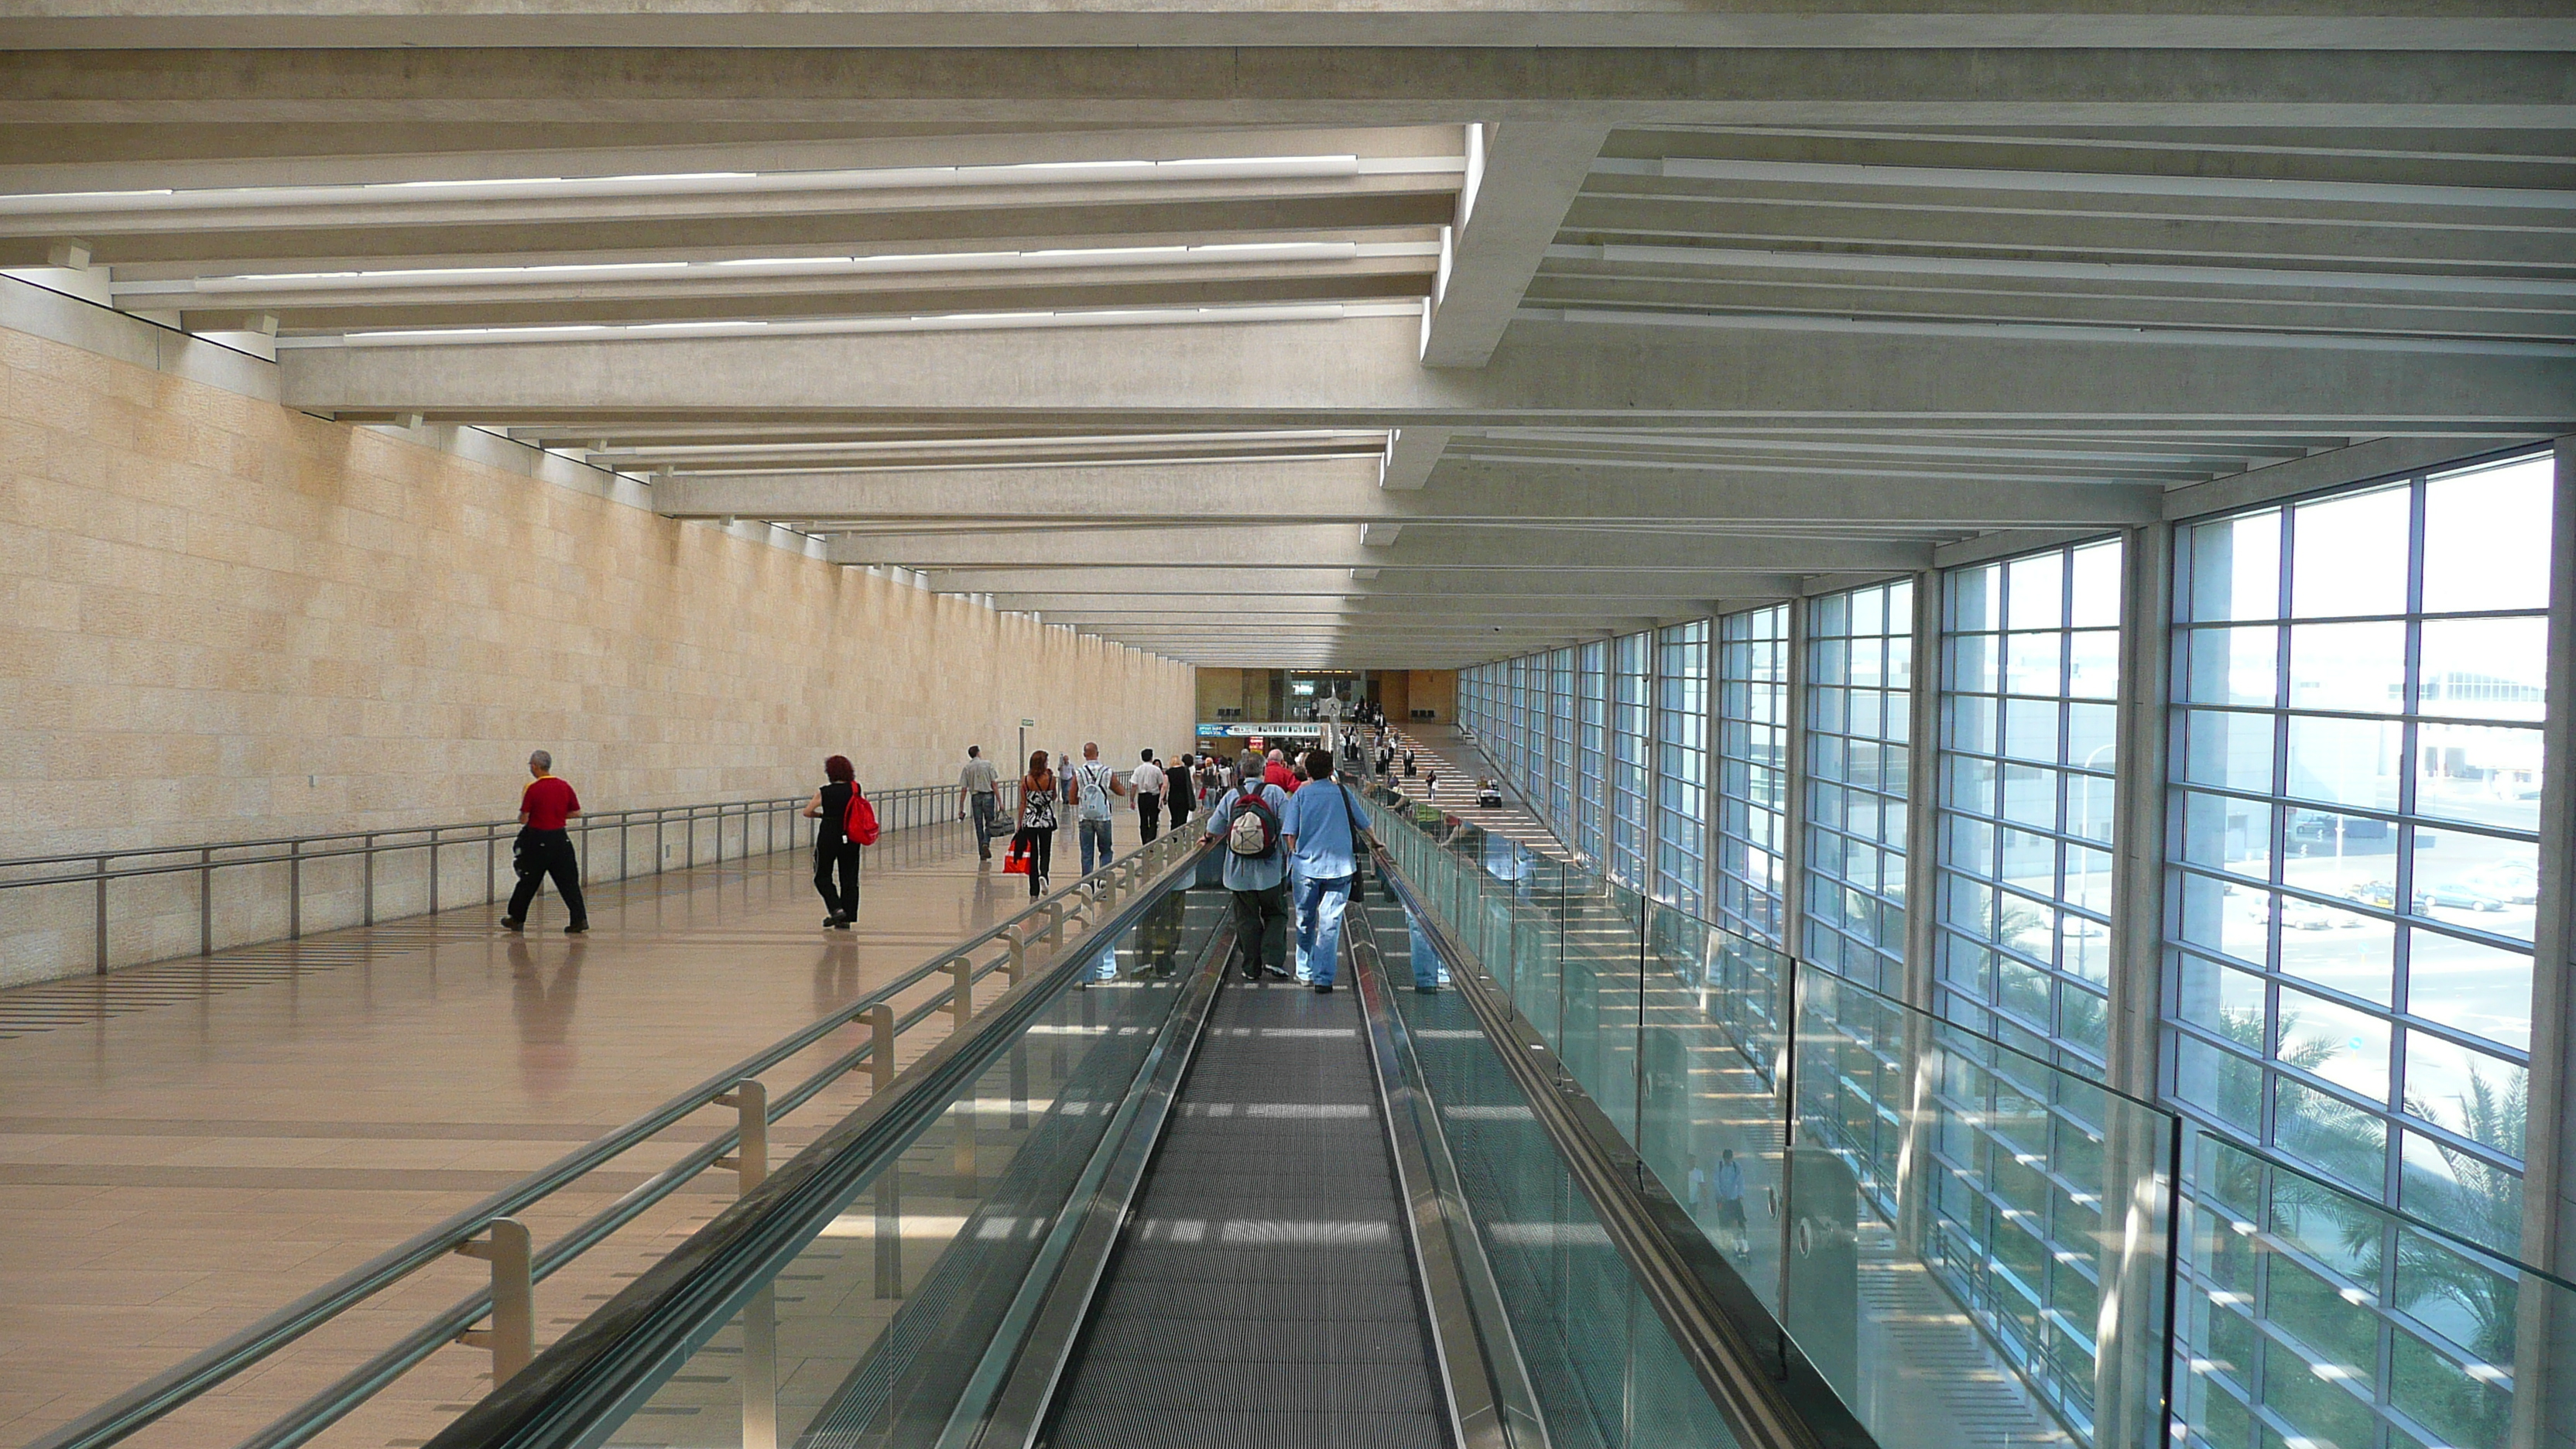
x=1729 y=1188
x=1324 y=836
x=1275 y=771
x=1181 y=793
x=979 y=792
x=1036 y=835
x=1245 y=823
x=1147 y=784
x=1089 y=788
x=835 y=853
x=544 y=848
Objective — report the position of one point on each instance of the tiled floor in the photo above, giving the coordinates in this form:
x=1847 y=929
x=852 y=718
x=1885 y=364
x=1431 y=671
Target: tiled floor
x=169 y=1175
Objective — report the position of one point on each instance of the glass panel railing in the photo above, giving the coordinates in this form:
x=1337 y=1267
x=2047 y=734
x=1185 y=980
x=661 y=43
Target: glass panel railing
x=1599 y=1359
x=1982 y=1206
x=872 y=1330
x=1967 y=1240
x=2309 y=1316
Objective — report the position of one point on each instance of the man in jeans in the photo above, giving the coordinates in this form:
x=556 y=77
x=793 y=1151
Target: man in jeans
x=978 y=790
x=1088 y=786
x=1258 y=883
x=545 y=847
x=1321 y=843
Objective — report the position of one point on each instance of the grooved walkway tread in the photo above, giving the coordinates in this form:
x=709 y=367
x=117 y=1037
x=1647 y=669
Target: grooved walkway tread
x=1263 y=1297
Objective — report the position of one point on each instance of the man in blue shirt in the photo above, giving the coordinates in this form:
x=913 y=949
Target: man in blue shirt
x=1317 y=831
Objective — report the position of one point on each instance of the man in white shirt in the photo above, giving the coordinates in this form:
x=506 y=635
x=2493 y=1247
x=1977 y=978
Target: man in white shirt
x=1147 y=784
x=979 y=790
x=1088 y=787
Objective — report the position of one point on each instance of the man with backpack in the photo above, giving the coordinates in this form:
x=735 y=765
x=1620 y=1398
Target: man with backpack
x=1245 y=823
x=1087 y=787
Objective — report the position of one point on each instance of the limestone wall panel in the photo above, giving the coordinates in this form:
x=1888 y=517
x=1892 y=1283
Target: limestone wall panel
x=227 y=619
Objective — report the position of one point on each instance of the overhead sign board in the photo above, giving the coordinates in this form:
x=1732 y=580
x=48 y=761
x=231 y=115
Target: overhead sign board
x=1236 y=730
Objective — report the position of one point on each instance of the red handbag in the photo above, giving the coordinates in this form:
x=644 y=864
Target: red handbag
x=1015 y=861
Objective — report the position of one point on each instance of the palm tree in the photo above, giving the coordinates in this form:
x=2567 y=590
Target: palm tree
x=2479 y=1201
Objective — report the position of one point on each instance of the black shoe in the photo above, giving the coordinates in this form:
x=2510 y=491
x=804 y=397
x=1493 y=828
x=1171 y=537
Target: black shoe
x=1279 y=973
x=843 y=923
x=577 y=928
x=830 y=921
x=510 y=925
x=1428 y=990
x=1323 y=988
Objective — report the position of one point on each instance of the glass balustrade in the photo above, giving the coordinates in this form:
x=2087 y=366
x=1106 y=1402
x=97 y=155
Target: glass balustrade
x=1967 y=1241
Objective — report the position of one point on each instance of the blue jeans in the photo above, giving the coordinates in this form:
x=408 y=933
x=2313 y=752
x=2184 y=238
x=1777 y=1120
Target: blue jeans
x=1426 y=962
x=1094 y=830
x=1319 y=925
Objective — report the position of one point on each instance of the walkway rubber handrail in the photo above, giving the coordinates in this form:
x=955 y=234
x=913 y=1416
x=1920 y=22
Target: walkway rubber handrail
x=165 y=1392
x=598 y=1364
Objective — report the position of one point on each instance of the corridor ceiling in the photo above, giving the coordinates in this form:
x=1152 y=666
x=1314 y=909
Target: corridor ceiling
x=1344 y=334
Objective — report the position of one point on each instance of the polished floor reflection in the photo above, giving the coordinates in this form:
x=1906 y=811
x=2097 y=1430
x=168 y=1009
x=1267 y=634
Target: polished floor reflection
x=209 y=1143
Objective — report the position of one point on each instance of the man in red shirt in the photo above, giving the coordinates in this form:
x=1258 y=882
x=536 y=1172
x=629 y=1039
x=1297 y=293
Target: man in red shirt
x=1276 y=772
x=544 y=847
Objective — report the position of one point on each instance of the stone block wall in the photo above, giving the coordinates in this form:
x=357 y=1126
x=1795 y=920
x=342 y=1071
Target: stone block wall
x=221 y=618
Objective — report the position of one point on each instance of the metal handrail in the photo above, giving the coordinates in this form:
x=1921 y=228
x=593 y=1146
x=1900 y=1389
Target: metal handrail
x=173 y=1388
x=902 y=808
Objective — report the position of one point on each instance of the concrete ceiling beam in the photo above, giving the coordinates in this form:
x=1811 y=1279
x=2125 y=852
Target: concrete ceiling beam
x=1345 y=490
x=2442 y=24
x=1336 y=546
x=1016 y=586
x=1522 y=177
x=79 y=158
x=1363 y=372
x=1166 y=84
x=757 y=234
x=1012 y=587
x=652 y=199
x=2291 y=237
x=1070 y=606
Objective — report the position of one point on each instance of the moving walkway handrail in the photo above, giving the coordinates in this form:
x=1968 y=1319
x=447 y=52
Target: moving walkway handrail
x=610 y=1357
x=182 y=1383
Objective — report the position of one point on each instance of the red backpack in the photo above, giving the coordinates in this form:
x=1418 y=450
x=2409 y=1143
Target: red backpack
x=859 y=822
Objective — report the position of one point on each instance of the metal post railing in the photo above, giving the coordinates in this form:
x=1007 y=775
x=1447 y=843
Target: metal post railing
x=911 y=808
x=494 y=1231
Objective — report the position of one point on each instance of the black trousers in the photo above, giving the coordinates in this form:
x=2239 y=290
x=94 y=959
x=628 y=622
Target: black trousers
x=550 y=853
x=1041 y=845
x=1261 y=928
x=1149 y=816
x=841 y=857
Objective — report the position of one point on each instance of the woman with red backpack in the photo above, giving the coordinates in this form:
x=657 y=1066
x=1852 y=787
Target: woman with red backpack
x=844 y=822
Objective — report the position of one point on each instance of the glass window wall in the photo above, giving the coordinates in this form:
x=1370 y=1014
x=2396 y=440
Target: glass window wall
x=1631 y=675
x=2031 y=656
x=1560 y=740
x=1860 y=679
x=1752 y=766
x=1681 y=762
x=1592 y=689
x=2352 y=826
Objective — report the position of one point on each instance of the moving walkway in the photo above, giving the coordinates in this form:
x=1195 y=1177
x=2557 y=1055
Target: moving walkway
x=1139 y=1203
